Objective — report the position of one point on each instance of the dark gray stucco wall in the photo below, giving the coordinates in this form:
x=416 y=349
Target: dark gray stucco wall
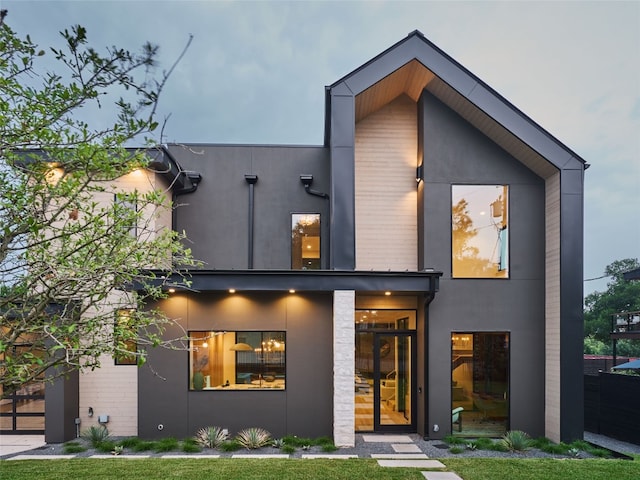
x=455 y=152
x=304 y=408
x=215 y=216
x=61 y=407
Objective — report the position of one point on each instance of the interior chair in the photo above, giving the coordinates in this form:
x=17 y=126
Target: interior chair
x=456 y=417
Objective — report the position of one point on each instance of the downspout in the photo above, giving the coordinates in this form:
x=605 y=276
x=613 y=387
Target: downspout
x=428 y=298
x=251 y=180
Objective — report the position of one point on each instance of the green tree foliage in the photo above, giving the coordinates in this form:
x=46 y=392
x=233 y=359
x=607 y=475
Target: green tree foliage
x=620 y=296
x=64 y=255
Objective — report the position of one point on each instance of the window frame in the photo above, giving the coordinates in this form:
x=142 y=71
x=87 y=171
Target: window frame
x=264 y=380
x=501 y=232
x=291 y=244
x=122 y=359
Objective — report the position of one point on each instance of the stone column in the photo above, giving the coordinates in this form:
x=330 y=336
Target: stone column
x=344 y=368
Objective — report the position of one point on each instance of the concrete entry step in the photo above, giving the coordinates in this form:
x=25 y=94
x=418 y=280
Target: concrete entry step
x=405 y=448
x=400 y=456
x=411 y=463
x=387 y=438
x=440 y=476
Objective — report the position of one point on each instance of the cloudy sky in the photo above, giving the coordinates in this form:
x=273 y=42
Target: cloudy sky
x=573 y=67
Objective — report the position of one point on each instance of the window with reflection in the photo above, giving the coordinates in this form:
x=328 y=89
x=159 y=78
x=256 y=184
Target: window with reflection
x=479 y=231
x=480 y=383
x=222 y=360
x=124 y=338
x=305 y=241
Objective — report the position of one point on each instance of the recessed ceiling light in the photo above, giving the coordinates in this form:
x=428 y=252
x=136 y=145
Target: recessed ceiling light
x=387 y=293
x=232 y=290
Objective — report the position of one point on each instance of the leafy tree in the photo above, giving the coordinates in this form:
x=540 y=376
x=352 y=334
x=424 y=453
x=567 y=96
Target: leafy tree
x=620 y=296
x=72 y=234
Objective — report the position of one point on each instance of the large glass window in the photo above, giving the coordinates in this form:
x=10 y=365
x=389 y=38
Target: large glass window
x=479 y=231
x=305 y=241
x=222 y=360
x=480 y=383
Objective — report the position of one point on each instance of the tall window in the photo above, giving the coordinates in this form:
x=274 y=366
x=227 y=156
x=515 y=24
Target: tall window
x=221 y=360
x=305 y=241
x=479 y=231
x=124 y=338
x=480 y=383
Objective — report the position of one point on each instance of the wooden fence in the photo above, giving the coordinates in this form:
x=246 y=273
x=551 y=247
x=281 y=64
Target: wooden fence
x=612 y=406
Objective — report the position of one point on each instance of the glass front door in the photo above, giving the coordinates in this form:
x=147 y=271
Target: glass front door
x=385 y=376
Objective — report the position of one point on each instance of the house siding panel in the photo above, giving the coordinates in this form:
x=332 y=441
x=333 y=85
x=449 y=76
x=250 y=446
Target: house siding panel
x=456 y=153
x=385 y=188
x=552 y=308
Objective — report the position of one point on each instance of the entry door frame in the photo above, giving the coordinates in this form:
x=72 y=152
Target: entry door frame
x=412 y=425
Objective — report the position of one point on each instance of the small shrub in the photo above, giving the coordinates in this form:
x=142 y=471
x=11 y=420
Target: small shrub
x=297 y=441
x=471 y=446
x=73 y=447
x=574 y=452
x=483 y=443
x=106 y=447
x=211 y=437
x=144 y=446
x=456 y=449
x=95 y=434
x=323 y=441
x=599 y=452
x=288 y=449
x=306 y=447
x=229 y=446
x=328 y=447
x=117 y=450
x=453 y=440
x=515 y=441
x=252 y=438
x=189 y=445
x=129 y=442
x=166 y=445
x=277 y=443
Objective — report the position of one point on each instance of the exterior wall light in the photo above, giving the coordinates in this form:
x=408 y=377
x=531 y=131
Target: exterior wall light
x=419 y=174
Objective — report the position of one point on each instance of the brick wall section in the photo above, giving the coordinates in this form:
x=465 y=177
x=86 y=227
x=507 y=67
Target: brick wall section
x=343 y=368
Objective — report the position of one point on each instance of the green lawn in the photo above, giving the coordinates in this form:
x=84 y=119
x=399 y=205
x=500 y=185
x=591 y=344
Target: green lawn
x=231 y=469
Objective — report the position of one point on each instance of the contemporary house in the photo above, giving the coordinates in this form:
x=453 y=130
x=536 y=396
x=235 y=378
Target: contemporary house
x=421 y=271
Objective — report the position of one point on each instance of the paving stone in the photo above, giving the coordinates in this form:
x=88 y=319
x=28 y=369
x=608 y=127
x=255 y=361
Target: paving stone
x=328 y=455
x=411 y=463
x=41 y=457
x=387 y=438
x=400 y=456
x=440 y=476
x=257 y=455
x=405 y=448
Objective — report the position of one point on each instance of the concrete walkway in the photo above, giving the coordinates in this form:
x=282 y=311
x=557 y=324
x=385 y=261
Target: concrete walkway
x=10 y=444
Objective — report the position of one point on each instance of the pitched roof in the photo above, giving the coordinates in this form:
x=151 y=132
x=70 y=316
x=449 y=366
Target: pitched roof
x=414 y=64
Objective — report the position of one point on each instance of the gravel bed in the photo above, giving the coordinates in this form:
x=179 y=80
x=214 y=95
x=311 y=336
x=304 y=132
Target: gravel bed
x=432 y=448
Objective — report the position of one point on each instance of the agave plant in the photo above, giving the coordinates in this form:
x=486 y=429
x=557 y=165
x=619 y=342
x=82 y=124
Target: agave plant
x=95 y=435
x=515 y=441
x=252 y=438
x=211 y=437
x=277 y=443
